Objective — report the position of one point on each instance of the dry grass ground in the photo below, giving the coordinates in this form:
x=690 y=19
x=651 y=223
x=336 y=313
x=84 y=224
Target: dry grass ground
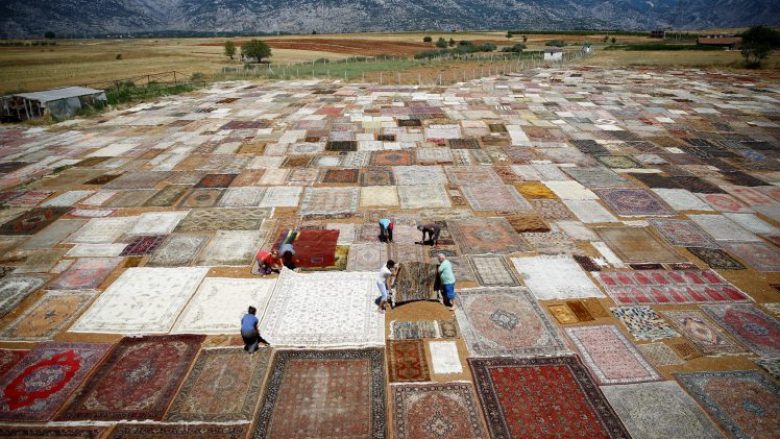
x=682 y=58
x=94 y=62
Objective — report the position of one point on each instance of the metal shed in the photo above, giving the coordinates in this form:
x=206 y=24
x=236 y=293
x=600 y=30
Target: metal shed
x=61 y=103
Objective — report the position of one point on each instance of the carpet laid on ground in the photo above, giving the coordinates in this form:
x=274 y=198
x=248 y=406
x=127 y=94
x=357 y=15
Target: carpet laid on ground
x=567 y=402
x=345 y=388
x=506 y=322
x=137 y=381
x=324 y=309
x=444 y=411
x=142 y=300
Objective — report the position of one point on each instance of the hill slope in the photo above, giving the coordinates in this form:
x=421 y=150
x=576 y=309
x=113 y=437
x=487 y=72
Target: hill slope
x=80 y=17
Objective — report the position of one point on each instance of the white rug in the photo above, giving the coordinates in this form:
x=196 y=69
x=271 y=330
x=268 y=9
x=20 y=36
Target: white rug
x=378 y=196
x=681 y=199
x=722 y=228
x=608 y=254
x=576 y=230
x=158 y=223
x=231 y=247
x=444 y=357
x=67 y=199
x=324 y=309
x=103 y=230
x=555 y=277
x=570 y=190
x=284 y=196
x=423 y=197
x=219 y=304
x=414 y=175
x=141 y=301
x=590 y=211
x=752 y=223
x=95 y=250
x=346 y=232
x=242 y=197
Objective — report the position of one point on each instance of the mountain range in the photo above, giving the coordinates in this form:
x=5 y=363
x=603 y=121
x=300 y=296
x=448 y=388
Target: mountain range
x=25 y=18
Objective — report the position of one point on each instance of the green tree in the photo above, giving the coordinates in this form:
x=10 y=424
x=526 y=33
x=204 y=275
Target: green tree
x=230 y=49
x=49 y=35
x=525 y=38
x=255 y=49
x=441 y=43
x=757 y=44
x=508 y=35
x=614 y=40
x=452 y=42
x=427 y=39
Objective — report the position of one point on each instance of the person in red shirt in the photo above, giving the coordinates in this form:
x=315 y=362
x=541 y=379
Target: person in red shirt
x=266 y=262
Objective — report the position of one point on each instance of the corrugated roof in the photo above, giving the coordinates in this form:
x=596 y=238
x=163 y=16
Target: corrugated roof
x=60 y=93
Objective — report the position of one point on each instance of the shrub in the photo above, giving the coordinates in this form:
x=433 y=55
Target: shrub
x=517 y=48
x=427 y=39
x=118 y=56
x=255 y=49
x=230 y=49
x=452 y=42
x=555 y=43
x=757 y=44
x=441 y=43
x=509 y=35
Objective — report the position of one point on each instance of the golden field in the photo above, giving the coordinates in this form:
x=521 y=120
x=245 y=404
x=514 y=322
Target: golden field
x=95 y=63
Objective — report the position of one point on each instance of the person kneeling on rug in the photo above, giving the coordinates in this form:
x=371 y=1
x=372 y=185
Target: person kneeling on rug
x=385 y=283
x=249 y=331
x=432 y=230
x=447 y=279
x=386 y=230
x=266 y=262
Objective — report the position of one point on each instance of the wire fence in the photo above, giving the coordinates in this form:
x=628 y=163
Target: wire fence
x=170 y=77
x=387 y=71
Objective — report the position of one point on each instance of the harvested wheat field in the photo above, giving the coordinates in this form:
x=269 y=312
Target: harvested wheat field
x=613 y=235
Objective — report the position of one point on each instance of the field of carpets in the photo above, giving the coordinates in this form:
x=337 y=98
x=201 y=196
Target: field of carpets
x=613 y=234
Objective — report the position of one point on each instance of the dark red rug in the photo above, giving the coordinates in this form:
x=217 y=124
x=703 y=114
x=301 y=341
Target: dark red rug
x=137 y=381
x=543 y=397
x=58 y=432
x=169 y=431
x=313 y=248
x=37 y=386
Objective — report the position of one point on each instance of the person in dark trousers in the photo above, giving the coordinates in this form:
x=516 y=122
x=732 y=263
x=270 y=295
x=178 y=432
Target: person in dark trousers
x=249 y=331
x=386 y=230
x=432 y=231
x=288 y=255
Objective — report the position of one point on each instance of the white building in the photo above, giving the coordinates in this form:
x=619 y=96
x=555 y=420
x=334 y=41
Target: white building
x=553 y=55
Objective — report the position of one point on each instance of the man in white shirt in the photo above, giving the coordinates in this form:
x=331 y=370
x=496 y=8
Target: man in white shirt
x=384 y=282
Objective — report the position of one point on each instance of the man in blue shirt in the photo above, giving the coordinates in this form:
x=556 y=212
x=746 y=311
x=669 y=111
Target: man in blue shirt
x=385 y=230
x=249 y=331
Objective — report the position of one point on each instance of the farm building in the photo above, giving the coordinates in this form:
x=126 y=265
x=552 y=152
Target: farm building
x=553 y=55
x=61 y=103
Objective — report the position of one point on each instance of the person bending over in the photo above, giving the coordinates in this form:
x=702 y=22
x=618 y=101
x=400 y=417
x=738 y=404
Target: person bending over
x=431 y=231
x=249 y=331
x=266 y=262
x=386 y=230
x=384 y=282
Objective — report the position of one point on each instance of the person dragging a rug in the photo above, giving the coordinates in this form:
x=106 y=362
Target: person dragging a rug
x=432 y=231
x=384 y=282
x=249 y=331
x=447 y=279
x=386 y=230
